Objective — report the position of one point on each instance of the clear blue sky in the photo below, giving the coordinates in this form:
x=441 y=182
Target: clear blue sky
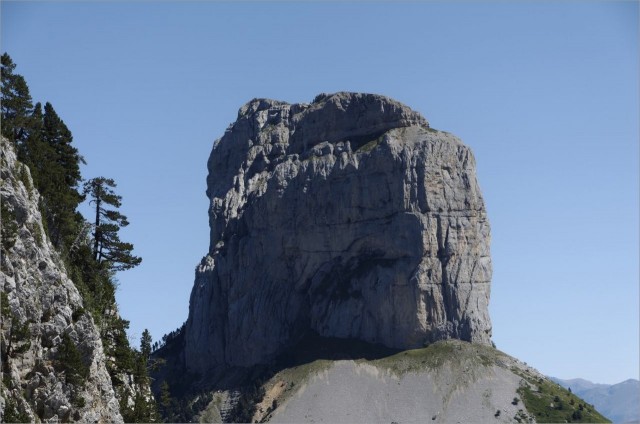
x=545 y=93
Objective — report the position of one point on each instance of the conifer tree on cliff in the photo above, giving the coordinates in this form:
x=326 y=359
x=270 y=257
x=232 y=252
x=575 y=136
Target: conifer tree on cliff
x=145 y=345
x=58 y=136
x=16 y=104
x=36 y=154
x=60 y=182
x=43 y=142
x=107 y=247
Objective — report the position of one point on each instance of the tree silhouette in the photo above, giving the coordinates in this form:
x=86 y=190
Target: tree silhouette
x=108 y=249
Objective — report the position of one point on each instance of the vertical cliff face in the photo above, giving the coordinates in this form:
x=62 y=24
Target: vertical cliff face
x=45 y=329
x=349 y=216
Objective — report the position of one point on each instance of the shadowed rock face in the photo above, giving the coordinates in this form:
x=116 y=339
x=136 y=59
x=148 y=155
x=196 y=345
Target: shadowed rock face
x=348 y=216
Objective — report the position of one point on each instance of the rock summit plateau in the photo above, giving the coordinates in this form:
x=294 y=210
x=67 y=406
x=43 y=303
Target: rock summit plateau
x=349 y=217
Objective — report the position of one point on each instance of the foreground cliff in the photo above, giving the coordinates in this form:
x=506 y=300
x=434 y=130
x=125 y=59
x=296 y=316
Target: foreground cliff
x=53 y=361
x=350 y=217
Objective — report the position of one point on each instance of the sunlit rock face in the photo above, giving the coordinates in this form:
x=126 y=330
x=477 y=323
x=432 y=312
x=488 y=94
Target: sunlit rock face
x=348 y=216
x=41 y=304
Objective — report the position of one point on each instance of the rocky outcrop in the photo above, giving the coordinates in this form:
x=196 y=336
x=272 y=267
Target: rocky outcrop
x=349 y=216
x=41 y=307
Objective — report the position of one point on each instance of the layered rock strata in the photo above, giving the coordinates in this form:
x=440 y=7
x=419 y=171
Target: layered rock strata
x=348 y=216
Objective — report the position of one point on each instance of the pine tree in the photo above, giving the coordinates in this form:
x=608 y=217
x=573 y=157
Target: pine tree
x=58 y=136
x=141 y=409
x=122 y=352
x=37 y=154
x=12 y=414
x=18 y=340
x=145 y=345
x=70 y=362
x=16 y=104
x=142 y=358
x=165 y=399
x=107 y=247
x=34 y=155
x=43 y=142
x=59 y=179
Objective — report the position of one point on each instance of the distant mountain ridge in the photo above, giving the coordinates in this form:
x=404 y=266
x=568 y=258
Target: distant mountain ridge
x=618 y=402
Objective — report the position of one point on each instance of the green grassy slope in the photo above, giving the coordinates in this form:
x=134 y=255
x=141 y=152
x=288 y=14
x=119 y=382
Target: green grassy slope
x=549 y=402
x=458 y=364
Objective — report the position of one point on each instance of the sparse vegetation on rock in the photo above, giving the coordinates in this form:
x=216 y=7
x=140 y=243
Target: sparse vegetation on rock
x=548 y=402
